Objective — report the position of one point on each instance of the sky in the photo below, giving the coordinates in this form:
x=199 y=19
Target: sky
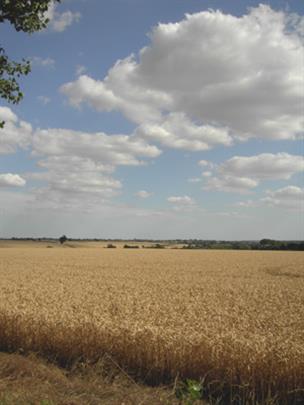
x=163 y=119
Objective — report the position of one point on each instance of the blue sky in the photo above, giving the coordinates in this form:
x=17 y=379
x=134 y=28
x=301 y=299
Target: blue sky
x=163 y=119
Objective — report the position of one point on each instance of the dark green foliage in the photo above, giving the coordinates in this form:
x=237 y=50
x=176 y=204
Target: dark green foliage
x=156 y=246
x=264 y=244
x=189 y=391
x=63 y=239
x=111 y=246
x=27 y=16
x=9 y=71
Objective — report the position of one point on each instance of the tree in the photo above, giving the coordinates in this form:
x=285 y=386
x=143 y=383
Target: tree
x=27 y=16
x=63 y=239
x=266 y=242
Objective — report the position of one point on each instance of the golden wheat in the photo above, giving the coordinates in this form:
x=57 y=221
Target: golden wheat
x=233 y=317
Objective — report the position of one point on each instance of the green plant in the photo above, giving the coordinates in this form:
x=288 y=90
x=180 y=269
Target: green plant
x=26 y=16
x=189 y=391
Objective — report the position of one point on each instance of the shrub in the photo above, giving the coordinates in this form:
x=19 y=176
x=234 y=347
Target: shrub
x=111 y=246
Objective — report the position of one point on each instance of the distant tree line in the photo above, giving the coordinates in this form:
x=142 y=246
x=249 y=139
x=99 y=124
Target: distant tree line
x=263 y=244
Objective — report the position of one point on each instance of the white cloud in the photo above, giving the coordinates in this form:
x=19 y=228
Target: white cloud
x=15 y=134
x=75 y=167
x=183 y=204
x=194 y=180
x=208 y=80
x=143 y=194
x=65 y=164
x=108 y=150
x=95 y=93
x=11 y=180
x=204 y=163
x=181 y=200
x=44 y=99
x=60 y=21
x=264 y=166
x=238 y=72
x=296 y=22
x=290 y=197
x=78 y=166
x=64 y=20
x=80 y=69
x=76 y=189
x=243 y=173
x=137 y=104
x=6 y=114
x=178 y=132
x=74 y=182
x=248 y=204
x=207 y=174
x=43 y=62
x=231 y=184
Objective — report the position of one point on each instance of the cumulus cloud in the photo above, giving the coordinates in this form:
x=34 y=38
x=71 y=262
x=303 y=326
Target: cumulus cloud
x=60 y=21
x=74 y=182
x=143 y=194
x=94 y=92
x=99 y=147
x=7 y=114
x=290 y=197
x=77 y=166
x=208 y=80
x=178 y=132
x=183 y=203
x=264 y=166
x=75 y=188
x=231 y=184
x=243 y=173
x=181 y=200
x=117 y=93
x=15 y=134
x=11 y=180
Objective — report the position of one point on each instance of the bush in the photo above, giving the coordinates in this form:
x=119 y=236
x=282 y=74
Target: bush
x=111 y=246
x=155 y=246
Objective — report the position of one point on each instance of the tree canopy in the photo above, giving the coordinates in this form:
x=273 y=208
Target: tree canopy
x=63 y=239
x=27 y=16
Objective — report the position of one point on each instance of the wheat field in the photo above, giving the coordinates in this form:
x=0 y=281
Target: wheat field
x=232 y=318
